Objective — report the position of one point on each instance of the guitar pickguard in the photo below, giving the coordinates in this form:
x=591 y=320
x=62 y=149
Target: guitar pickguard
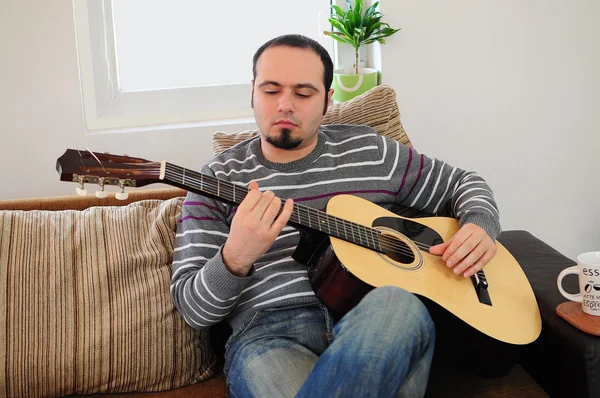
x=408 y=238
x=411 y=229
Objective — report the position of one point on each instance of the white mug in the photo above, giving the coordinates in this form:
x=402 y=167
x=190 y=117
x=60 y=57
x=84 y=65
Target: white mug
x=588 y=269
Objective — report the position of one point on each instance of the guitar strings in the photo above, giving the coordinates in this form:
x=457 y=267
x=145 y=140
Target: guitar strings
x=388 y=243
x=384 y=242
x=95 y=157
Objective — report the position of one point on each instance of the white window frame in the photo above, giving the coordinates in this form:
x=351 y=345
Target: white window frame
x=108 y=109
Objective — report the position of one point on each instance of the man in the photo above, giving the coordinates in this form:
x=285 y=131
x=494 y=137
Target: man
x=235 y=263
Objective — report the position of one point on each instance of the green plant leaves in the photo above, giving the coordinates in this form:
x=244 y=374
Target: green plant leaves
x=338 y=10
x=354 y=28
x=358 y=6
x=339 y=36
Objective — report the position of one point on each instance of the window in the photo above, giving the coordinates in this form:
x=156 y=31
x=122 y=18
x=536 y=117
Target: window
x=151 y=63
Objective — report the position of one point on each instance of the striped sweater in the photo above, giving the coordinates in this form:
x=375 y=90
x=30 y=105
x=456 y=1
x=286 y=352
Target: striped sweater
x=347 y=159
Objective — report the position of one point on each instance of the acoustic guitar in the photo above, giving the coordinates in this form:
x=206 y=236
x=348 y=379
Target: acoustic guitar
x=353 y=247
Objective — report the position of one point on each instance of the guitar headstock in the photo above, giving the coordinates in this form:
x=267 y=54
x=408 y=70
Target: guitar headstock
x=83 y=167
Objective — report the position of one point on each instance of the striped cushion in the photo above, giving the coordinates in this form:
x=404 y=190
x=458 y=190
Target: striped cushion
x=376 y=108
x=85 y=304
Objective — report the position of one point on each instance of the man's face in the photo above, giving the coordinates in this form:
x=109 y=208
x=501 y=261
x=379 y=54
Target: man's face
x=289 y=96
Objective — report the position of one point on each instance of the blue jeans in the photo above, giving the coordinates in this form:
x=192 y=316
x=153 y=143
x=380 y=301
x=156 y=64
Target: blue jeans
x=382 y=348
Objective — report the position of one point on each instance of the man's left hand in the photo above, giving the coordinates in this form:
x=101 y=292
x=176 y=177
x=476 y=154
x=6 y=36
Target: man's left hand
x=468 y=251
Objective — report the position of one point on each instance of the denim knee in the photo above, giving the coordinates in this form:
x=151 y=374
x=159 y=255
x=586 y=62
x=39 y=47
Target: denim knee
x=396 y=308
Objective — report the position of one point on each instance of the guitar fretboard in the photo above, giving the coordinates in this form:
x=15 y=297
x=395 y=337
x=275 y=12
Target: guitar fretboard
x=305 y=216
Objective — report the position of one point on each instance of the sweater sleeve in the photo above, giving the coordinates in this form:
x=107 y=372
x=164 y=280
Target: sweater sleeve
x=433 y=186
x=203 y=289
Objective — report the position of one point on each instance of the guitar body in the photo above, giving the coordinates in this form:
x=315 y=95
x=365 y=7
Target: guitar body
x=341 y=273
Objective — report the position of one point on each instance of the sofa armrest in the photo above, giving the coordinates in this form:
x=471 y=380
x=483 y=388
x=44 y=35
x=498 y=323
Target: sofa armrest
x=75 y=202
x=564 y=360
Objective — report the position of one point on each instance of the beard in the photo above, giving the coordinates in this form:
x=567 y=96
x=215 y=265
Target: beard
x=284 y=140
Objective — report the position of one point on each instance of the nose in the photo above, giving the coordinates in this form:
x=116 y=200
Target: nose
x=284 y=104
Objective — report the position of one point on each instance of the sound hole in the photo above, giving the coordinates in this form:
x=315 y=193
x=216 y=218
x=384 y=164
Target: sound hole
x=396 y=249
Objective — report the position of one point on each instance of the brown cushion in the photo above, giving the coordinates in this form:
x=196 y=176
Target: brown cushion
x=376 y=108
x=85 y=305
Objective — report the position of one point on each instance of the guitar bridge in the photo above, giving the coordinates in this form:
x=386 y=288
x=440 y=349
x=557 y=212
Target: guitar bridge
x=480 y=280
x=480 y=284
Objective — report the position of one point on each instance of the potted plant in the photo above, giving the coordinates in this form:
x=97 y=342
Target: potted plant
x=356 y=27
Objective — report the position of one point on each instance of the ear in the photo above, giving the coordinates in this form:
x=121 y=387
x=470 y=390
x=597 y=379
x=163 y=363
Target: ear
x=252 y=95
x=329 y=96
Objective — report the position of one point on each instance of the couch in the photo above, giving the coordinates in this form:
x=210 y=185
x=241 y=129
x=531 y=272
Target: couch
x=85 y=306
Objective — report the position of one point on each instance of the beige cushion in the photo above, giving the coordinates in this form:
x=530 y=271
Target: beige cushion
x=376 y=108
x=85 y=304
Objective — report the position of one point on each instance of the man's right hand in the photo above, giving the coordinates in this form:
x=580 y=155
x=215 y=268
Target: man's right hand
x=254 y=229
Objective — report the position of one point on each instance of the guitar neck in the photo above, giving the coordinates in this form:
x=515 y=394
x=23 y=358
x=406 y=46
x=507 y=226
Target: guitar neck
x=304 y=216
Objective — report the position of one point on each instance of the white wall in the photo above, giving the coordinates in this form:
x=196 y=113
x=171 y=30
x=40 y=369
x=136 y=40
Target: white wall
x=507 y=88
x=510 y=89
x=41 y=108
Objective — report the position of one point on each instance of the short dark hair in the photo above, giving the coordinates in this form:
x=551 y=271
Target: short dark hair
x=300 y=41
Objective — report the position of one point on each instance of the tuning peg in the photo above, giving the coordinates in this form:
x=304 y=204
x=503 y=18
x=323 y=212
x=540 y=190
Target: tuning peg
x=80 y=191
x=101 y=193
x=122 y=195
